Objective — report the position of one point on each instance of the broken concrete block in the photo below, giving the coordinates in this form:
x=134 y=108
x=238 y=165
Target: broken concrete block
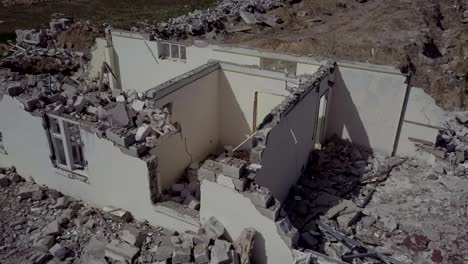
x=272 y=211
x=219 y=255
x=192 y=203
x=248 y=17
x=201 y=254
x=26 y=191
x=309 y=239
x=260 y=196
x=181 y=255
x=234 y=168
x=163 y=252
x=243 y=245
x=44 y=243
x=138 y=105
x=133 y=236
x=209 y=170
x=69 y=90
x=346 y=220
x=40 y=258
x=4 y=181
x=288 y=233
x=121 y=139
x=226 y=181
x=37 y=195
x=118 y=115
x=59 y=251
x=121 y=214
x=53 y=229
x=120 y=99
x=79 y=104
x=119 y=250
x=142 y=132
x=62 y=203
x=213 y=228
x=14 y=89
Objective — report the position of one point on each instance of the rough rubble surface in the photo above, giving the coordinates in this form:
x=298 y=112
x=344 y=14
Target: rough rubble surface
x=398 y=207
x=39 y=226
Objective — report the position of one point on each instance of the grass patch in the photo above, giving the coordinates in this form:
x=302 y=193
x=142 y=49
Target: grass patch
x=118 y=13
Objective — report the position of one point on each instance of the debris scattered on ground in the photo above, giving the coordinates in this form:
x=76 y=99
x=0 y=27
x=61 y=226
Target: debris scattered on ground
x=59 y=229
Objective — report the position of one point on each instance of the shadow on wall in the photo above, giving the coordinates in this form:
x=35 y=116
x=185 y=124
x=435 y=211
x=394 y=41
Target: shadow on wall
x=234 y=124
x=343 y=118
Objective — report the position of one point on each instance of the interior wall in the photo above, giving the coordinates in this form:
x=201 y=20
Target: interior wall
x=237 y=93
x=422 y=117
x=196 y=108
x=365 y=106
x=288 y=146
x=219 y=201
x=140 y=71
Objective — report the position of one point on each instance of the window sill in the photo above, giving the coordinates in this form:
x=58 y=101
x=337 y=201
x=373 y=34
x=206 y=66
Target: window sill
x=74 y=175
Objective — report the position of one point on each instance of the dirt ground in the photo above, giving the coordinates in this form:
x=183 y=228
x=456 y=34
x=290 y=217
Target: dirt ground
x=426 y=37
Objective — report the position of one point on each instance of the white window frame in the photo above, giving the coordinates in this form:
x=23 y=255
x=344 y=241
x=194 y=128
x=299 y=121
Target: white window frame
x=173 y=46
x=65 y=136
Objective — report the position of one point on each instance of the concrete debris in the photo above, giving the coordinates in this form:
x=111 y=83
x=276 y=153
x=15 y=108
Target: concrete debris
x=121 y=251
x=244 y=245
x=200 y=22
x=181 y=255
x=44 y=243
x=212 y=228
x=59 y=251
x=133 y=236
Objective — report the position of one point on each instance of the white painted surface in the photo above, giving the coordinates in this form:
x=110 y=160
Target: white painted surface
x=237 y=92
x=421 y=113
x=115 y=179
x=240 y=59
x=265 y=103
x=303 y=68
x=98 y=56
x=365 y=107
x=140 y=71
x=219 y=201
x=288 y=147
x=196 y=108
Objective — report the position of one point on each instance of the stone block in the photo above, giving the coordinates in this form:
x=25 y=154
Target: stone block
x=79 y=104
x=133 y=236
x=44 y=243
x=272 y=212
x=181 y=255
x=14 y=89
x=142 y=132
x=53 y=229
x=233 y=168
x=4 y=181
x=138 y=105
x=26 y=191
x=288 y=233
x=164 y=252
x=209 y=170
x=201 y=254
x=62 y=203
x=219 y=255
x=192 y=203
x=118 y=115
x=60 y=251
x=121 y=251
x=212 y=228
x=260 y=196
x=123 y=140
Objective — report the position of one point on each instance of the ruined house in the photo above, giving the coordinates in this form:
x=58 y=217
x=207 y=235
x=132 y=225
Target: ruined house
x=178 y=132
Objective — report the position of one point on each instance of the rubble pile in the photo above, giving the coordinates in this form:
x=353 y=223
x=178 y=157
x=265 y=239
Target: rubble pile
x=353 y=202
x=200 y=22
x=42 y=226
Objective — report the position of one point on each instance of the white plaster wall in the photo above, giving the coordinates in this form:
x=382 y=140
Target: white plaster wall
x=237 y=91
x=140 y=71
x=116 y=179
x=365 y=106
x=303 y=68
x=237 y=212
x=421 y=110
x=236 y=58
x=196 y=108
x=288 y=146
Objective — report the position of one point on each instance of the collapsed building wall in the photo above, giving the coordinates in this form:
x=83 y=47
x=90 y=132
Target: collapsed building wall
x=291 y=138
x=366 y=105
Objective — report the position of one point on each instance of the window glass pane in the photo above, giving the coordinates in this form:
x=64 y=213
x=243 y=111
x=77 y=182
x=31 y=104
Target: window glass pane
x=54 y=125
x=76 y=145
x=175 y=51
x=59 y=151
x=163 y=50
x=183 y=53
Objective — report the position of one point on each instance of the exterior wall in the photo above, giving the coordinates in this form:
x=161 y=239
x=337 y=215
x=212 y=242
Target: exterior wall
x=140 y=71
x=241 y=59
x=237 y=93
x=288 y=146
x=365 y=106
x=219 y=201
x=422 y=117
x=115 y=179
x=195 y=108
x=98 y=54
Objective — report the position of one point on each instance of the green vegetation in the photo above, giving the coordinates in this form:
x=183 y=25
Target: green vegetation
x=119 y=13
